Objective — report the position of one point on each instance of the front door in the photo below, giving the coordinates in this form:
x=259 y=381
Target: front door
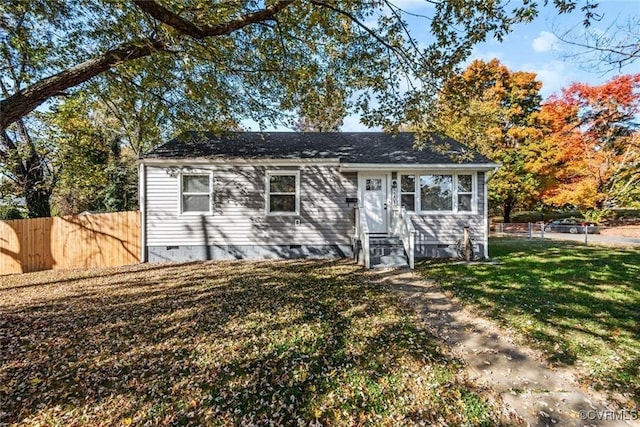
x=374 y=202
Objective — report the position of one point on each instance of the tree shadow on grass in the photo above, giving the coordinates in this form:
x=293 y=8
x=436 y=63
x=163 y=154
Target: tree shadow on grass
x=576 y=303
x=221 y=343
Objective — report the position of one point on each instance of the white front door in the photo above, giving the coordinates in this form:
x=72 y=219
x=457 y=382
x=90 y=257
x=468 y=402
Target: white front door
x=374 y=202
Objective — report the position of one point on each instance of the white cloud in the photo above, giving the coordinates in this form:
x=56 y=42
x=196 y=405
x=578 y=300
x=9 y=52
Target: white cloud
x=545 y=42
x=554 y=75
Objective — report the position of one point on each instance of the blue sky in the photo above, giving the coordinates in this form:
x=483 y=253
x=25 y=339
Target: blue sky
x=530 y=47
x=534 y=47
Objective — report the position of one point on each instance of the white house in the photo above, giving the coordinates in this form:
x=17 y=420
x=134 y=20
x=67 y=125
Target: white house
x=267 y=195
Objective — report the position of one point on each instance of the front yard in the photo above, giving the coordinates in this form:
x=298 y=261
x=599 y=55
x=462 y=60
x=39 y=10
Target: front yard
x=224 y=343
x=579 y=304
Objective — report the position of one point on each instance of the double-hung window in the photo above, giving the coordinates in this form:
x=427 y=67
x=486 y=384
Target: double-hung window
x=195 y=192
x=408 y=192
x=442 y=192
x=283 y=192
x=465 y=193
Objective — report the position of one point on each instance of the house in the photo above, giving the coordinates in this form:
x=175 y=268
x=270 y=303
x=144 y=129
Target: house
x=267 y=195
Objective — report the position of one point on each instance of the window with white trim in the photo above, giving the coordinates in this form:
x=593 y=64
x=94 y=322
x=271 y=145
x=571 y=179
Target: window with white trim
x=283 y=192
x=408 y=192
x=437 y=192
x=195 y=192
x=465 y=193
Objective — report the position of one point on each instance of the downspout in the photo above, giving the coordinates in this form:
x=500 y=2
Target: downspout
x=486 y=211
x=142 y=199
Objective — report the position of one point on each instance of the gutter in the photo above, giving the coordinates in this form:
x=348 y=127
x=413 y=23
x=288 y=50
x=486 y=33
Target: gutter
x=160 y=162
x=358 y=167
x=487 y=177
x=142 y=200
x=345 y=167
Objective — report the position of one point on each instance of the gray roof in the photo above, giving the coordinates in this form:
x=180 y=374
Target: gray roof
x=359 y=147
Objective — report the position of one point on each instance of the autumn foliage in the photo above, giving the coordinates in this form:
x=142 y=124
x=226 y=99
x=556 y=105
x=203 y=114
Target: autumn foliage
x=591 y=152
x=579 y=148
x=492 y=110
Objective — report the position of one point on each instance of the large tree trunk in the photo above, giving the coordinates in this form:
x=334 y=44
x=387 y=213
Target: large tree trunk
x=25 y=101
x=28 y=169
x=38 y=201
x=21 y=103
x=37 y=188
x=507 y=207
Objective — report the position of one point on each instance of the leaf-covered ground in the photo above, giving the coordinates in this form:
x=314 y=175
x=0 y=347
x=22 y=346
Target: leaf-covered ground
x=579 y=304
x=267 y=343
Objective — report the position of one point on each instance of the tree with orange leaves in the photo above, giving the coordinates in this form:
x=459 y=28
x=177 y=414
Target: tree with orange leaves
x=591 y=154
x=492 y=110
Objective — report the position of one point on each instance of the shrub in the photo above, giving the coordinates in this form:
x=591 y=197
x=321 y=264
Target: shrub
x=10 y=212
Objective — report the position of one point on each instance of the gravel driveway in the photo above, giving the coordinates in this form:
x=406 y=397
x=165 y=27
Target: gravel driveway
x=594 y=238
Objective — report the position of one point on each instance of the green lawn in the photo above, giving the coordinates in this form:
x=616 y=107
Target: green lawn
x=580 y=305
x=223 y=344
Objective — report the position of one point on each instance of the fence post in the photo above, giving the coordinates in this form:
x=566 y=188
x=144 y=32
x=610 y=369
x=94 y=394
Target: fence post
x=586 y=233
x=467 y=244
x=530 y=225
x=542 y=230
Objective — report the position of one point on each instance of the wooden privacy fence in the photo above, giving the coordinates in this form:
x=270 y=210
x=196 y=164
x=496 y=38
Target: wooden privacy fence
x=96 y=240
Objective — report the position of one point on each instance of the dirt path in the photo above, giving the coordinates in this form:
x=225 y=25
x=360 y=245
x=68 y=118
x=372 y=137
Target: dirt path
x=540 y=395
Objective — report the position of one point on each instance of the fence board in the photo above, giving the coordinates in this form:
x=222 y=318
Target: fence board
x=97 y=240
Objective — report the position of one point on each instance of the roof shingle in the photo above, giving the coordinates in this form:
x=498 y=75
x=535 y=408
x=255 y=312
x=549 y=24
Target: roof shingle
x=359 y=147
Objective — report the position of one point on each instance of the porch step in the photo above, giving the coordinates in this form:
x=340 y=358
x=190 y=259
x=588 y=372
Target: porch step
x=389 y=261
x=387 y=252
x=385 y=241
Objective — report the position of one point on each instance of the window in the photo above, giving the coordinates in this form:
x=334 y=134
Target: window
x=373 y=184
x=283 y=195
x=408 y=192
x=196 y=193
x=465 y=193
x=437 y=192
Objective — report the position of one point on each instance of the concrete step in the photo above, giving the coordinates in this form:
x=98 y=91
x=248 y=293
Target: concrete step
x=387 y=261
x=387 y=252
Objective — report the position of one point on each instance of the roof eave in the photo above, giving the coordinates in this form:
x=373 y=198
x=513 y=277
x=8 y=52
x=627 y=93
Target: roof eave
x=363 y=167
x=236 y=161
x=345 y=167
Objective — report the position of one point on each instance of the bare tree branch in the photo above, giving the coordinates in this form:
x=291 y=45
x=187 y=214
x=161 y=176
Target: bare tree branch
x=615 y=47
x=355 y=21
x=187 y=27
x=23 y=102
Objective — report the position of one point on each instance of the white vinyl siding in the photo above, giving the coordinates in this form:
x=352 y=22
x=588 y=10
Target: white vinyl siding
x=447 y=229
x=238 y=215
